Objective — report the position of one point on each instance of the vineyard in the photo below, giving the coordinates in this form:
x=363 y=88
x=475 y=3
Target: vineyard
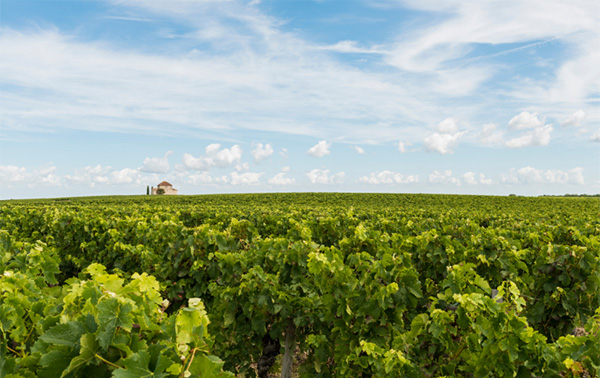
x=302 y=285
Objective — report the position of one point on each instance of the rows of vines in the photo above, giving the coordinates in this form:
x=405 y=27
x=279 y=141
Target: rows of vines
x=324 y=285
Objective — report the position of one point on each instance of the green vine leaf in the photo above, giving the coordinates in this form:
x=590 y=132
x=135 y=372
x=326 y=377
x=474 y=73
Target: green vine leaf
x=112 y=314
x=68 y=334
x=138 y=366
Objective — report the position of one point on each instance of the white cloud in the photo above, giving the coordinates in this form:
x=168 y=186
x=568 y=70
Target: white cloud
x=358 y=149
x=125 y=176
x=389 y=177
x=13 y=176
x=483 y=180
x=90 y=175
x=442 y=143
x=214 y=157
x=200 y=178
x=401 y=147
x=320 y=149
x=525 y=120
x=540 y=136
x=533 y=131
x=157 y=164
x=530 y=175
x=261 y=152
x=445 y=139
x=490 y=135
x=280 y=179
x=248 y=178
x=225 y=157
x=242 y=167
x=106 y=175
x=283 y=153
x=285 y=169
x=575 y=120
x=322 y=176
x=190 y=162
x=443 y=178
x=576 y=176
x=471 y=179
x=595 y=137
x=448 y=126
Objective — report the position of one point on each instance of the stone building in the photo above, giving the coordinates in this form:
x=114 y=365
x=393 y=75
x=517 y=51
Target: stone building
x=166 y=187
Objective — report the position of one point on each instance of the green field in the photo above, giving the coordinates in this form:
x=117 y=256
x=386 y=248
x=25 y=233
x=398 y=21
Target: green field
x=321 y=284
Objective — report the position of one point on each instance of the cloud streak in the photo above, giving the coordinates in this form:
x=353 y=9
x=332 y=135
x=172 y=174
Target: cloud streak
x=256 y=76
x=95 y=86
x=531 y=175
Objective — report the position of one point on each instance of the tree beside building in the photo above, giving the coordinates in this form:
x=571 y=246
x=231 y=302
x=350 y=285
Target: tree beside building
x=164 y=188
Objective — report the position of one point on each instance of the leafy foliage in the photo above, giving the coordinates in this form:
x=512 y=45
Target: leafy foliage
x=97 y=326
x=353 y=285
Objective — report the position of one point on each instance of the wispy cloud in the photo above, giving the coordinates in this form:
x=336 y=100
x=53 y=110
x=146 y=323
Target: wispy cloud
x=359 y=150
x=445 y=177
x=446 y=47
x=389 y=177
x=99 y=87
x=531 y=175
x=125 y=18
x=281 y=179
x=323 y=176
x=256 y=76
x=352 y=47
x=575 y=120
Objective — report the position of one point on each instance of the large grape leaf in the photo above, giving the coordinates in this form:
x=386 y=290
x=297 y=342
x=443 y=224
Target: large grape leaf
x=112 y=314
x=54 y=363
x=138 y=366
x=208 y=367
x=87 y=354
x=67 y=334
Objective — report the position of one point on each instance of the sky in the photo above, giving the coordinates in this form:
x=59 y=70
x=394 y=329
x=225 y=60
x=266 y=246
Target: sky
x=491 y=97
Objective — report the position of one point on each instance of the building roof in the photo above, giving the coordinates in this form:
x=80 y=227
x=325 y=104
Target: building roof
x=164 y=183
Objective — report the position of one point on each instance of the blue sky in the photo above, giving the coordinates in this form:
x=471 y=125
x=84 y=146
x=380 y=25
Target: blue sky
x=429 y=96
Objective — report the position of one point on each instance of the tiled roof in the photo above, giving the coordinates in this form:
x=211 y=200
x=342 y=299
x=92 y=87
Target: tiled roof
x=164 y=183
